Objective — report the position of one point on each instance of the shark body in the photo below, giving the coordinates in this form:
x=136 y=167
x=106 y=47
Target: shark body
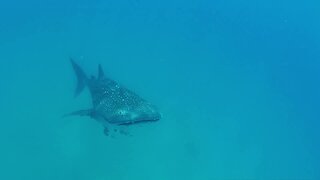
x=112 y=103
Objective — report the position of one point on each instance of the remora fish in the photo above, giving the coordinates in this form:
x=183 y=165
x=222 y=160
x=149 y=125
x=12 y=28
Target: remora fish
x=113 y=104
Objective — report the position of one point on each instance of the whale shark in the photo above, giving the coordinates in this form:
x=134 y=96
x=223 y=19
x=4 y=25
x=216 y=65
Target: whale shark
x=113 y=105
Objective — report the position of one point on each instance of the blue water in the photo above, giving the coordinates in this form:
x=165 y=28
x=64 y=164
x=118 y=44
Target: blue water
x=237 y=83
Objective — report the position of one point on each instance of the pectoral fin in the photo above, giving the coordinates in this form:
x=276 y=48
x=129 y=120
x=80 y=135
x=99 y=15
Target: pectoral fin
x=85 y=112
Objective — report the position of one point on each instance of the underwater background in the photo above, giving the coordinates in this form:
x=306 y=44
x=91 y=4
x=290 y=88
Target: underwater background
x=237 y=83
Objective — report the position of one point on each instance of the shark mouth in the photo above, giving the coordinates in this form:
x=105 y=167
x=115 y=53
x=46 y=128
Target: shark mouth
x=138 y=122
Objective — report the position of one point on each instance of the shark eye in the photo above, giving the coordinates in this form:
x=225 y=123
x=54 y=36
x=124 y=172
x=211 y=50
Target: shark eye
x=122 y=112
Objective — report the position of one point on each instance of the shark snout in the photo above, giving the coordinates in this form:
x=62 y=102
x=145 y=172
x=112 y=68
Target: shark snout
x=137 y=116
x=154 y=116
x=147 y=115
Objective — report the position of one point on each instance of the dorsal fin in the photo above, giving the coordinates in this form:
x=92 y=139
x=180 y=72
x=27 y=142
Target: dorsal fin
x=101 y=73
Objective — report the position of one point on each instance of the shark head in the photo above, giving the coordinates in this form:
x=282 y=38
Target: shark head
x=139 y=114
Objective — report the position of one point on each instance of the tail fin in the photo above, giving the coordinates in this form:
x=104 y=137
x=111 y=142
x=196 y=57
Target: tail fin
x=81 y=77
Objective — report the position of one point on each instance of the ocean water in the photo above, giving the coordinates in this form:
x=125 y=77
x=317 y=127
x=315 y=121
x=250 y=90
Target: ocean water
x=237 y=83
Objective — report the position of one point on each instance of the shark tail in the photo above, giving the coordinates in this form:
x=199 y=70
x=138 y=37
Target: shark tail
x=81 y=78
